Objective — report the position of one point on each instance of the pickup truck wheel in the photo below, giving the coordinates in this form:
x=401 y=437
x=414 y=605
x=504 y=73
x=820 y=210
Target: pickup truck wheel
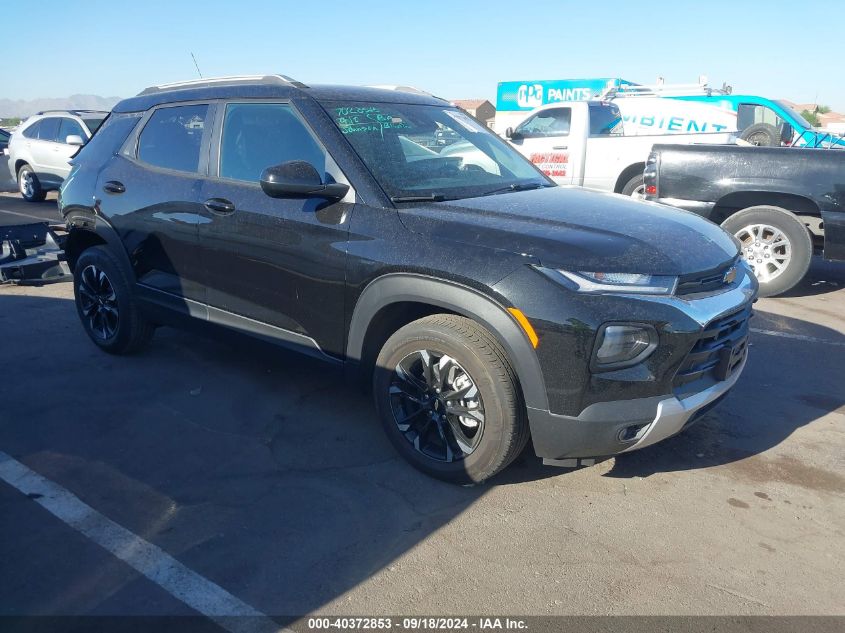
x=762 y=134
x=106 y=305
x=776 y=245
x=635 y=187
x=448 y=399
x=29 y=185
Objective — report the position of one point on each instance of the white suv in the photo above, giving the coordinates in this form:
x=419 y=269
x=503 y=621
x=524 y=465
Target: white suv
x=39 y=150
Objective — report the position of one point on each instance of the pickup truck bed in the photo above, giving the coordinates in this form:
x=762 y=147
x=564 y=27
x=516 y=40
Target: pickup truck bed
x=781 y=202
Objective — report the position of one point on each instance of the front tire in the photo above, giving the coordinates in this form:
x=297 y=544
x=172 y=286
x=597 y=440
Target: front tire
x=776 y=245
x=29 y=185
x=106 y=305
x=448 y=399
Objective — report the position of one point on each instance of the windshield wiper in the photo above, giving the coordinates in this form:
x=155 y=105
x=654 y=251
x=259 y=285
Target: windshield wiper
x=431 y=197
x=518 y=186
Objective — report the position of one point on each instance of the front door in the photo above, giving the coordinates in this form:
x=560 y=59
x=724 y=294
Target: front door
x=543 y=138
x=276 y=261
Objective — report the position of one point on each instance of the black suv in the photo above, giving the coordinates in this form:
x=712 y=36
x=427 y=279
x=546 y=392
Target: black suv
x=484 y=304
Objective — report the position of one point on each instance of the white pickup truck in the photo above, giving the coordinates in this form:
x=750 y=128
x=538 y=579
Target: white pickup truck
x=583 y=143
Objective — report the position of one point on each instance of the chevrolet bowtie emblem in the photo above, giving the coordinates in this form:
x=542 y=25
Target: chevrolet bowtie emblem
x=730 y=275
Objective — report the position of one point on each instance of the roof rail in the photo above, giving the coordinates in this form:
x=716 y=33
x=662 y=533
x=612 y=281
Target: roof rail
x=72 y=111
x=663 y=90
x=223 y=81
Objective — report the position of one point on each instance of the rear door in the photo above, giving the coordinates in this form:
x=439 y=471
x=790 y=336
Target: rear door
x=150 y=192
x=41 y=148
x=544 y=139
x=274 y=261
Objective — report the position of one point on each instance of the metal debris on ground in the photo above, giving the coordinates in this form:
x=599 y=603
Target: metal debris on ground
x=33 y=254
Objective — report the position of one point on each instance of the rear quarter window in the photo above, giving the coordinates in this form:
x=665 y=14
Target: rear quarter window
x=32 y=130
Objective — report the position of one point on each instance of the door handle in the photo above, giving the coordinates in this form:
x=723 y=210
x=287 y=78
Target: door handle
x=220 y=206
x=561 y=147
x=112 y=186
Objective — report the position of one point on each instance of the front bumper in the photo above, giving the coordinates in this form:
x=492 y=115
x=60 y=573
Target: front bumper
x=616 y=426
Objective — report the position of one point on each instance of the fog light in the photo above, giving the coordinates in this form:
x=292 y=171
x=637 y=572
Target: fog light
x=624 y=345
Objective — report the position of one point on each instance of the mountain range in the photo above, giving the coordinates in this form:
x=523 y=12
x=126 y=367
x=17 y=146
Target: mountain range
x=24 y=108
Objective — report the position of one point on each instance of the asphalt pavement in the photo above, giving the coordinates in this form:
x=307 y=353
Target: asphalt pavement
x=149 y=484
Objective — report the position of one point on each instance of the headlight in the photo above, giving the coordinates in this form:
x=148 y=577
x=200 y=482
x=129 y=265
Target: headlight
x=614 y=282
x=623 y=345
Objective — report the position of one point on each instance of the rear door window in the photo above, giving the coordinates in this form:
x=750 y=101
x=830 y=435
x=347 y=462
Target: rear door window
x=259 y=135
x=49 y=129
x=172 y=137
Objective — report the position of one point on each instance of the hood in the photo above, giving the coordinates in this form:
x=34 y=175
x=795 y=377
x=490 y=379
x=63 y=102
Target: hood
x=576 y=229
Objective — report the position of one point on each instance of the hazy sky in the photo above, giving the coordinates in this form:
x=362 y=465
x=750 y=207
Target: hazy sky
x=455 y=49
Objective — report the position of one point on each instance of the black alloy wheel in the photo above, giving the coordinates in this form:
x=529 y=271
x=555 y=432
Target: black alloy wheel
x=98 y=302
x=437 y=406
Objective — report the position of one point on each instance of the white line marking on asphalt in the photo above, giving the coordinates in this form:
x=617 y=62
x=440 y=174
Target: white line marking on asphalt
x=798 y=337
x=194 y=590
x=27 y=215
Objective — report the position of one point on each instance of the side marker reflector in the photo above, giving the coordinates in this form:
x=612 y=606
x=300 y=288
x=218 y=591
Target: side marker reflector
x=526 y=326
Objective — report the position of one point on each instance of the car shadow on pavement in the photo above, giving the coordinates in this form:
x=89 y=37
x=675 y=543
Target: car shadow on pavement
x=268 y=473
x=261 y=469
x=823 y=277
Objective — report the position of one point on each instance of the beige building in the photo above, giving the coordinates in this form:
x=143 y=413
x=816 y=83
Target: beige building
x=481 y=109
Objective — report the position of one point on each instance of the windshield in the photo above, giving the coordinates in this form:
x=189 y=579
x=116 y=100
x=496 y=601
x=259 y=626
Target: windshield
x=416 y=151
x=795 y=115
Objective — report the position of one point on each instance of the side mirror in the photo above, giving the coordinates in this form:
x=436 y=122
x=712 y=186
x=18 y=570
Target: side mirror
x=513 y=134
x=74 y=139
x=299 y=179
x=786 y=133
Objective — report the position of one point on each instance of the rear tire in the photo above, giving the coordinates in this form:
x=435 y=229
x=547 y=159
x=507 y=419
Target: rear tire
x=29 y=185
x=762 y=134
x=106 y=305
x=635 y=187
x=469 y=373
x=775 y=243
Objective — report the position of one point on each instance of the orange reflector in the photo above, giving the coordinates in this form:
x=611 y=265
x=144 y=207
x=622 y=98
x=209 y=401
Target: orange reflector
x=529 y=331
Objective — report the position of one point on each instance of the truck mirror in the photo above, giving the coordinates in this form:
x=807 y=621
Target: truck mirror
x=512 y=134
x=509 y=132
x=786 y=133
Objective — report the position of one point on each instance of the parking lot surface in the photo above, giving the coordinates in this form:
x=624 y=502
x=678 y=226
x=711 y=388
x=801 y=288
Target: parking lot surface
x=266 y=476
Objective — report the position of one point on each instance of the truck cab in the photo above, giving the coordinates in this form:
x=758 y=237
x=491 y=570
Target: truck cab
x=584 y=143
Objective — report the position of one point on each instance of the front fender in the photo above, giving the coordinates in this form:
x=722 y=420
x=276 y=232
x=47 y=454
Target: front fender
x=457 y=298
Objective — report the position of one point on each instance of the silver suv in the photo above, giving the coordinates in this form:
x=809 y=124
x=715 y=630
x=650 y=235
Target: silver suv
x=39 y=150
